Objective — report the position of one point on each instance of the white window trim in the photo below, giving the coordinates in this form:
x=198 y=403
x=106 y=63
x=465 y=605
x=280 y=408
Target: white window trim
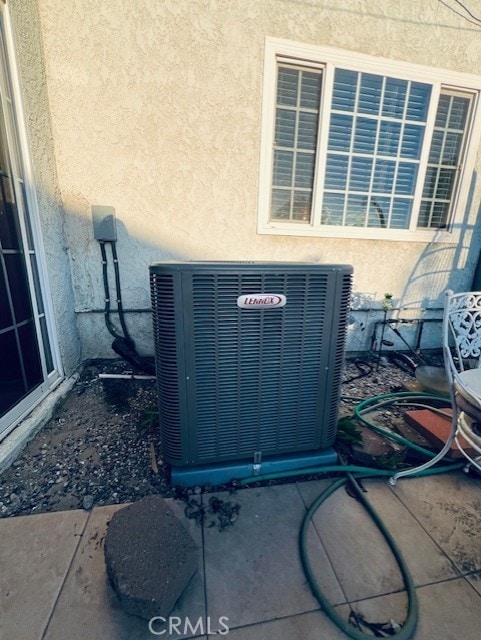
x=310 y=55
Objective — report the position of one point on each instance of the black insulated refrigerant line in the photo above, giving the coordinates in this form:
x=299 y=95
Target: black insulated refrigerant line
x=123 y=345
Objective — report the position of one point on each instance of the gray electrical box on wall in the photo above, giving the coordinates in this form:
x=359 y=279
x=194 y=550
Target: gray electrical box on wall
x=103 y=219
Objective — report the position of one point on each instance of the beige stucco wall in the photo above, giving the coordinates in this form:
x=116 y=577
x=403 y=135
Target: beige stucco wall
x=156 y=108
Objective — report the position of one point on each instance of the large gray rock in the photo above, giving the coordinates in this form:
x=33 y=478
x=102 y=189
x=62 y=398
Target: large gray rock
x=150 y=557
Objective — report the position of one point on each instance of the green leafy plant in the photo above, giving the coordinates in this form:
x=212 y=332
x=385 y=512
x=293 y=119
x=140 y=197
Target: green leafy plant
x=148 y=419
x=348 y=431
x=387 y=302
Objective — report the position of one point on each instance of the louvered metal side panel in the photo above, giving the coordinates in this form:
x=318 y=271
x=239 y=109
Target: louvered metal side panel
x=259 y=379
x=337 y=341
x=167 y=366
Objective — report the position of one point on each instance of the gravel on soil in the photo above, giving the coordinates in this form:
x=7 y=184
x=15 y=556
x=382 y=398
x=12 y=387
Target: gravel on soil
x=97 y=449
x=102 y=444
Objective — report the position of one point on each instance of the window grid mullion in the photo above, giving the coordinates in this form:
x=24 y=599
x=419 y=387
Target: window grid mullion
x=355 y=116
x=373 y=169
x=325 y=111
x=346 y=192
x=399 y=159
x=377 y=155
x=295 y=150
x=424 y=156
x=434 y=199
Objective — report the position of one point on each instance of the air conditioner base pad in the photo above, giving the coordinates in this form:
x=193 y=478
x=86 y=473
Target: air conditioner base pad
x=215 y=474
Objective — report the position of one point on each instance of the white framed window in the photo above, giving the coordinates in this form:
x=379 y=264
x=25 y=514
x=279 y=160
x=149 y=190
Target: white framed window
x=363 y=147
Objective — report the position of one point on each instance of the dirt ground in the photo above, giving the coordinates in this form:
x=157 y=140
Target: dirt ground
x=102 y=444
x=100 y=447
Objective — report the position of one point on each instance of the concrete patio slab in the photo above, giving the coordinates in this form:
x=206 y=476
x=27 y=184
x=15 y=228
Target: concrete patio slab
x=448 y=507
x=253 y=569
x=474 y=580
x=306 y=626
x=88 y=606
x=35 y=554
x=447 y=611
x=426 y=561
x=54 y=585
x=363 y=563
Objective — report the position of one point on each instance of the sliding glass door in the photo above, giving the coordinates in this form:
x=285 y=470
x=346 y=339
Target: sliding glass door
x=27 y=363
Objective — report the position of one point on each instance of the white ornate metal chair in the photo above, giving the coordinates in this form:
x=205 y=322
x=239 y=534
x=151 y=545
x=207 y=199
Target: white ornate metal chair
x=462 y=357
x=462 y=362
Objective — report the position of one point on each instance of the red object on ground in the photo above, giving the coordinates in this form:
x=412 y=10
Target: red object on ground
x=436 y=428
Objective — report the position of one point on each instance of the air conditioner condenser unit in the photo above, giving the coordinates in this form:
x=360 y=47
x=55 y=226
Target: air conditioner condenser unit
x=249 y=361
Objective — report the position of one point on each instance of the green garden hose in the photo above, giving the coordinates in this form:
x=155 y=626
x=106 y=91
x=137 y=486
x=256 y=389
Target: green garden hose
x=360 y=410
x=409 y=625
x=407 y=397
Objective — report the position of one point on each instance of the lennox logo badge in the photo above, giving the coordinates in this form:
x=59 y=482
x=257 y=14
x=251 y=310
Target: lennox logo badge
x=261 y=300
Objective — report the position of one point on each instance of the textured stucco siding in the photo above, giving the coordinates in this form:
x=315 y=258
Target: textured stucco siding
x=25 y=21
x=156 y=110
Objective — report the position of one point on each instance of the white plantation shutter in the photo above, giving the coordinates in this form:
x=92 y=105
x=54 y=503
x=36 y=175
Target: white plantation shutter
x=297 y=120
x=444 y=159
x=373 y=158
